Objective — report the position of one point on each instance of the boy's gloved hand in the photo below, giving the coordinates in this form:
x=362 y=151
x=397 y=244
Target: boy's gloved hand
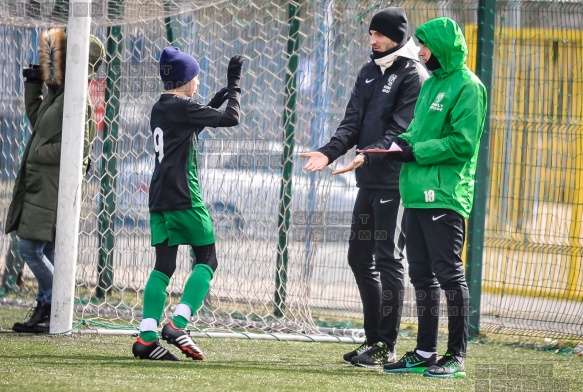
x=234 y=70
x=219 y=98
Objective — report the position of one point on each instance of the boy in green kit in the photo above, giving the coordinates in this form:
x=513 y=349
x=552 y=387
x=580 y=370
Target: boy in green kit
x=177 y=212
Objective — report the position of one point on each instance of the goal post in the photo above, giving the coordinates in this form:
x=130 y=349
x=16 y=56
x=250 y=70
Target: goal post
x=70 y=181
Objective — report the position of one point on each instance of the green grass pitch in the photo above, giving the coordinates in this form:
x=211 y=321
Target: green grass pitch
x=104 y=363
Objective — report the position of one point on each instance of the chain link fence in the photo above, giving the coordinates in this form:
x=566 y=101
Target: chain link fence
x=302 y=60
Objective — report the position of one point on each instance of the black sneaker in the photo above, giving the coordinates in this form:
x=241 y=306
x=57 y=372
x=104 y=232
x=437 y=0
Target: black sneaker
x=448 y=366
x=377 y=355
x=152 y=350
x=411 y=363
x=359 y=350
x=181 y=339
x=38 y=321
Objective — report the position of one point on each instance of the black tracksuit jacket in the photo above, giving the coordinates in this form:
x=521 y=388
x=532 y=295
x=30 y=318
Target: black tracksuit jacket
x=380 y=108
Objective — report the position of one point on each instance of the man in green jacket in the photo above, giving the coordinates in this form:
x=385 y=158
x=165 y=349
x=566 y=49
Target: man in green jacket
x=440 y=150
x=33 y=210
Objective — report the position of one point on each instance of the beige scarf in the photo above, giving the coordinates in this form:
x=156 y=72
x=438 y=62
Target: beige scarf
x=409 y=50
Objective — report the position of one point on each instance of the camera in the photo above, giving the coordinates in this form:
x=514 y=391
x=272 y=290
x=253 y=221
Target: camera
x=32 y=73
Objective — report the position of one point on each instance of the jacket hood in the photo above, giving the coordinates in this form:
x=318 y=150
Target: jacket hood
x=444 y=38
x=53 y=53
x=52 y=49
x=96 y=55
x=409 y=50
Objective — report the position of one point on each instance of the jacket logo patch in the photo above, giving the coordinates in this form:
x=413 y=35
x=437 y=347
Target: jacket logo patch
x=436 y=105
x=387 y=87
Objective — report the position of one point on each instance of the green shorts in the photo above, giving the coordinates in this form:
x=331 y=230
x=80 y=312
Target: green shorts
x=182 y=227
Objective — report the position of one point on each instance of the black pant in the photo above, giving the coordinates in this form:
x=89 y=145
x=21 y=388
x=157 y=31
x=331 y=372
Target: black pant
x=435 y=240
x=376 y=231
x=166 y=257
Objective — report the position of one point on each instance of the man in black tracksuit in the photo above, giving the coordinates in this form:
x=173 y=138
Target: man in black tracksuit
x=380 y=108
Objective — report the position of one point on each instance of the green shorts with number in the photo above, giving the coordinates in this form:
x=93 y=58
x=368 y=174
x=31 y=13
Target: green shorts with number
x=182 y=227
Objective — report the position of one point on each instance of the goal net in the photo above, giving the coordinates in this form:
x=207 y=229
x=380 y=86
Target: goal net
x=272 y=219
x=282 y=234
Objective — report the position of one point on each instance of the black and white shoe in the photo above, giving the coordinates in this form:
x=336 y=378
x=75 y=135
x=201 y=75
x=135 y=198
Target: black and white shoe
x=447 y=366
x=411 y=363
x=376 y=356
x=181 y=339
x=359 y=350
x=152 y=350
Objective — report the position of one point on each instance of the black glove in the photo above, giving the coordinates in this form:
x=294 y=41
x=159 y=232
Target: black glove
x=234 y=70
x=219 y=98
x=32 y=74
x=402 y=156
x=400 y=142
x=406 y=155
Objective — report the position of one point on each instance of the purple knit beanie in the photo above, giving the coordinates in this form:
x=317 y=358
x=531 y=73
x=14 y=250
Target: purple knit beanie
x=177 y=68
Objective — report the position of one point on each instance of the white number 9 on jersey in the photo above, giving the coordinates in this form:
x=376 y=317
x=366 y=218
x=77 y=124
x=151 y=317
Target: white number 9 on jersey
x=159 y=143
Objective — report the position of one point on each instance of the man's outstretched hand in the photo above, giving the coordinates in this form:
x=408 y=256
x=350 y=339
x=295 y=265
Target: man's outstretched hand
x=357 y=162
x=316 y=161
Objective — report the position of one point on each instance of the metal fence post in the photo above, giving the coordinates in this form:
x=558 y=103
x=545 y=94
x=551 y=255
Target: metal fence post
x=289 y=122
x=476 y=225
x=109 y=161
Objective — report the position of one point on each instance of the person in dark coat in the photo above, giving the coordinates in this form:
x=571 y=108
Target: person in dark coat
x=380 y=108
x=33 y=211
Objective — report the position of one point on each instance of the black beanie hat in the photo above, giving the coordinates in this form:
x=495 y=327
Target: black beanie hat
x=391 y=22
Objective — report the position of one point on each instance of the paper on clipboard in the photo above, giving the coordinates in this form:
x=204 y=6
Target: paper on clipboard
x=393 y=148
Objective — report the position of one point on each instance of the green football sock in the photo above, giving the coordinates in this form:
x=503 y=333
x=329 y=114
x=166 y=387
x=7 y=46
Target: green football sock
x=149 y=336
x=155 y=295
x=179 y=322
x=195 y=290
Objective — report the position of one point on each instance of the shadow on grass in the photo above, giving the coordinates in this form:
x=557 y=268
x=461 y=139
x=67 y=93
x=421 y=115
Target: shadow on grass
x=244 y=366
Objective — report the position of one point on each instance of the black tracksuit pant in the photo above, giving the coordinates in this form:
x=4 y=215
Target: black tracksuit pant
x=435 y=240
x=376 y=231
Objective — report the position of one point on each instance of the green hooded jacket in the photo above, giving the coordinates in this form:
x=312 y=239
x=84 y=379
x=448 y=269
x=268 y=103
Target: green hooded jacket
x=446 y=128
x=33 y=210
